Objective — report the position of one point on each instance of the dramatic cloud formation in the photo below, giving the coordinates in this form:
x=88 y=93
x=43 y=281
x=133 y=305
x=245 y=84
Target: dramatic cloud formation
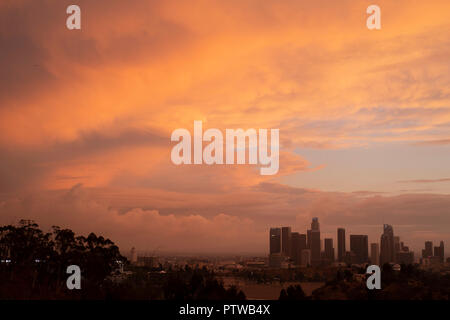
x=358 y=111
x=235 y=223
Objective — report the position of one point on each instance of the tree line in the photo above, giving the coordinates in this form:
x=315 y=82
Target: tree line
x=33 y=263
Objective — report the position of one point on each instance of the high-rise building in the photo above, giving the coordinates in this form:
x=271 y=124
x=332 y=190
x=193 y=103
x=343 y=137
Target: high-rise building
x=397 y=247
x=387 y=250
x=315 y=247
x=286 y=241
x=308 y=239
x=329 y=250
x=303 y=241
x=341 y=244
x=428 y=252
x=375 y=253
x=360 y=247
x=295 y=248
x=314 y=242
x=275 y=240
x=298 y=243
x=315 y=224
x=439 y=252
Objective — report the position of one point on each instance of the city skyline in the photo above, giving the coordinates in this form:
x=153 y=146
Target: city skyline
x=309 y=249
x=86 y=118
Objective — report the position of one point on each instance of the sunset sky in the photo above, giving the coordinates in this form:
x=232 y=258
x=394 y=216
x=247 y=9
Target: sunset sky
x=364 y=117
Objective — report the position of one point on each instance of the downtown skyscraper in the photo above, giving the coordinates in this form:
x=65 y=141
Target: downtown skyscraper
x=360 y=247
x=387 y=247
x=286 y=241
x=314 y=242
x=375 y=253
x=341 y=244
x=275 y=240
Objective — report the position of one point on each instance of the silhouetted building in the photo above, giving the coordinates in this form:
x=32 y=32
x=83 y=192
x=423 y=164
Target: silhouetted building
x=341 y=244
x=315 y=224
x=308 y=239
x=314 y=242
x=286 y=241
x=397 y=244
x=439 y=252
x=329 y=250
x=428 y=252
x=275 y=240
x=375 y=253
x=298 y=243
x=315 y=247
x=360 y=247
x=387 y=253
x=397 y=247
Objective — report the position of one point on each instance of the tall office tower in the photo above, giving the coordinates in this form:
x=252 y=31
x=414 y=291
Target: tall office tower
x=303 y=241
x=341 y=244
x=308 y=239
x=387 y=253
x=396 y=244
x=275 y=240
x=286 y=241
x=375 y=253
x=329 y=250
x=298 y=243
x=295 y=248
x=315 y=224
x=397 y=247
x=303 y=245
x=428 y=252
x=315 y=247
x=437 y=252
x=315 y=243
x=360 y=247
